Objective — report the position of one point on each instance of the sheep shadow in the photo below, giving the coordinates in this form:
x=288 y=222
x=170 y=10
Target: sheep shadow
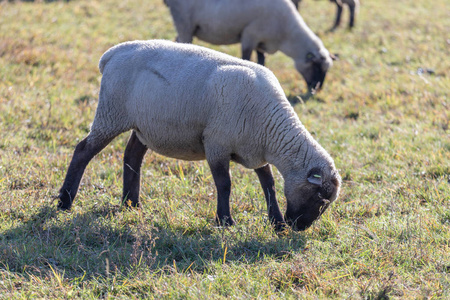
x=88 y=245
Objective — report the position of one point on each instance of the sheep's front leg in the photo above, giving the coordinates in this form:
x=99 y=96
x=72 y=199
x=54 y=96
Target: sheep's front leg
x=249 y=43
x=84 y=152
x=132 y=161
x=247 y=53
x=185 y=29
x=261 y=57
x=268 y=185
x=221 y=174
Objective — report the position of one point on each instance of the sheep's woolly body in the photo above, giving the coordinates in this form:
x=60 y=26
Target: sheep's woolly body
x=190 y=102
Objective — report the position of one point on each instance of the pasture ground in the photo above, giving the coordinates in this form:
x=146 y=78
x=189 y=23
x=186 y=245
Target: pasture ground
x=383 y=115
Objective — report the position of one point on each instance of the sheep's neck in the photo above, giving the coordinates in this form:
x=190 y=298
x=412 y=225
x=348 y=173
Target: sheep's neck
x=300 y=39
x=289 y=144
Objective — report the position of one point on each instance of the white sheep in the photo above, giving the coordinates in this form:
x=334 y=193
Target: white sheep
x=262 y=25
x=353 y=6
x=193 y=103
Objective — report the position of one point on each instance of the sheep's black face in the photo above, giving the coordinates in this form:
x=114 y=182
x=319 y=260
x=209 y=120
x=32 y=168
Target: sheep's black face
x=317 y=78
x=303 y=217
x=307 y=203
x=314 y=69
x=314 y=76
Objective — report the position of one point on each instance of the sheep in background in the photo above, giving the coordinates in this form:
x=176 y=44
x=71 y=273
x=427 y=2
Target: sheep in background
x=353 y=6
x=262 y=25
x=193 y=103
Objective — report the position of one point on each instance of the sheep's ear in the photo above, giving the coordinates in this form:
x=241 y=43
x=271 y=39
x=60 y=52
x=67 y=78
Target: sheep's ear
x=315 y=177
x=334 y=56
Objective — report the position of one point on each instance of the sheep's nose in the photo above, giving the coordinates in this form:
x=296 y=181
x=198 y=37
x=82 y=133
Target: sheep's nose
x=316 y=84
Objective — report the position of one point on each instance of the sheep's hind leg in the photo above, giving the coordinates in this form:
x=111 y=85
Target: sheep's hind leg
x=84 y=152
x=338 y=17
x=352 y=16
x=268 y=185
x=221 y=174
x=132 y=161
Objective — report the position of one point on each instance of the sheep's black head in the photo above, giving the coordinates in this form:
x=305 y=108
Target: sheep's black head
x=307 y=198
x=314 y=68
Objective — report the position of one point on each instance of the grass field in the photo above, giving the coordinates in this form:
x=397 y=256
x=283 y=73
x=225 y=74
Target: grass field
x=383 y=115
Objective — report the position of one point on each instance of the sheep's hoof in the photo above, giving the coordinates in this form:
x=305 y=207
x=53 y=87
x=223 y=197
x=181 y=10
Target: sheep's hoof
x=63 y=205
x=64 y=200
x=225 y=221
x=130 y=204
x=279 y=226
x=331 y=30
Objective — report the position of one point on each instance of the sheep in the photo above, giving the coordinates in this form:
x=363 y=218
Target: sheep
x=353 y=6
x=192 y=103
x=262 y=25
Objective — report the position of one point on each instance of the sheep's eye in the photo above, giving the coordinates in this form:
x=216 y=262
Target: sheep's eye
x=309 y=56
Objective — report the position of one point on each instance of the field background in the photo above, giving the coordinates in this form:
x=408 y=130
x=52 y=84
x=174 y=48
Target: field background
x=383 y=115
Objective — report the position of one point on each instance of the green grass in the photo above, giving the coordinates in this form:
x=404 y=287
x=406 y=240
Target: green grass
x=383 y=120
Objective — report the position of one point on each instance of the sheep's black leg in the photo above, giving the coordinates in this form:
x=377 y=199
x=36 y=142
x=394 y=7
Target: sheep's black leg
x=132 y=160
x=246 y=53
x=221 y=174
x=261 y=57
x=338 y=16
x=84 y=152
x=352 y=16
x=268 y=185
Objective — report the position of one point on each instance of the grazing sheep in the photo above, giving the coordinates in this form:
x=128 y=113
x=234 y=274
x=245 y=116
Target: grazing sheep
x=262 y=25
x=353 y=6
x=193 y=103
